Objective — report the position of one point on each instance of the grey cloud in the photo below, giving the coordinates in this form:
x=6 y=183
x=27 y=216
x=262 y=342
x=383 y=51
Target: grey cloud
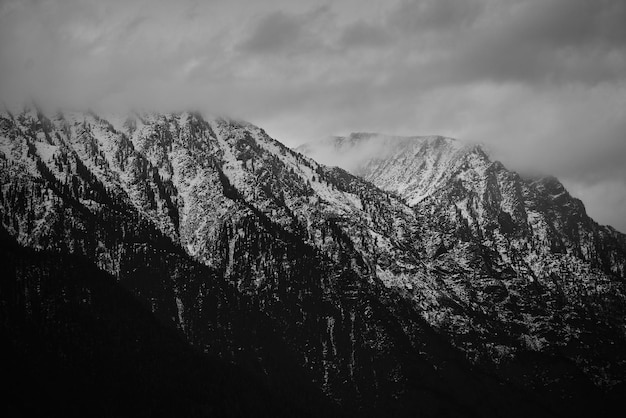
x=547 y=41
x=363 y=34
x=601 y=157
x=574 y=23
x=550 y=23
x=279 y=32
x=274 y=33
x=541 y=82
x=423 y=15
x=553 y=41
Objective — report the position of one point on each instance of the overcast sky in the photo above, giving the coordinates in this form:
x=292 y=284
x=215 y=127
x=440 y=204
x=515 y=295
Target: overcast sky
x=542 y=83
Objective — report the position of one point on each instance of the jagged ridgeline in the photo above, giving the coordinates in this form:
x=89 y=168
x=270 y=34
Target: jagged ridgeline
x=173 y=240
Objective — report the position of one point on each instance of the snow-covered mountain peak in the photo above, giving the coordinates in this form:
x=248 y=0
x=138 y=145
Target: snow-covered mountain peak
x=494 y=264
x=411 y=166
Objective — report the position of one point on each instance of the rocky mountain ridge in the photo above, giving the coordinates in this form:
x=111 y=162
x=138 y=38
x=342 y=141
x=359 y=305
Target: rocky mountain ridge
x=377 y=304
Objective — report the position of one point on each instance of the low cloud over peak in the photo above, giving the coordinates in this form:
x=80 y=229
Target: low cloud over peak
x=541 y=82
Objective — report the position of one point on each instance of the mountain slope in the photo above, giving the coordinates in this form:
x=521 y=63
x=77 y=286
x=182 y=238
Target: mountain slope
x=80 y=344
x=304 y=274
x=412 y=167
x=498 y=242
x=435 y=174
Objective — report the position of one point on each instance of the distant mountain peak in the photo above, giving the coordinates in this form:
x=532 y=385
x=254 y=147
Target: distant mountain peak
x=436 y=259
x=394 y=163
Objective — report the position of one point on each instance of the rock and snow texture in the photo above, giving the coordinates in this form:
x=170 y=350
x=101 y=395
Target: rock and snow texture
x=444 y=180
x=413 y=167
x=351 y=269
x=490 y=237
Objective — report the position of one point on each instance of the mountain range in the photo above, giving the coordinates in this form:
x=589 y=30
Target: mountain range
x=193 y=265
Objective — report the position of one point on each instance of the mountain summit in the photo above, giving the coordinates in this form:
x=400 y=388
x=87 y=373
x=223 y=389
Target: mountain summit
x=413 y=167
x=429 y=279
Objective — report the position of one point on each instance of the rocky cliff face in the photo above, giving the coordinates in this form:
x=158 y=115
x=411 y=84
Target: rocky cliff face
x=446 y=293
x=520 y=253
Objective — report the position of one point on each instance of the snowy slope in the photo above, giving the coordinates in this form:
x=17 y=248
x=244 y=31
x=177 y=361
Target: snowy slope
x=412 y=167
x=488 y=238
x=432 y=233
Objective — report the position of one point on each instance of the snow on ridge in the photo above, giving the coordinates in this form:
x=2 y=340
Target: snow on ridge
x=46 y=151
x=412 y=166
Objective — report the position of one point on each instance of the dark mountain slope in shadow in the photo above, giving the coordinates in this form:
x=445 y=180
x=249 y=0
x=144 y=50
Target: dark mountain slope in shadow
x=78 y=344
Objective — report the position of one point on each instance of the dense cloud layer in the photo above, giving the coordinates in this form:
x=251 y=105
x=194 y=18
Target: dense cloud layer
x=540 y=82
